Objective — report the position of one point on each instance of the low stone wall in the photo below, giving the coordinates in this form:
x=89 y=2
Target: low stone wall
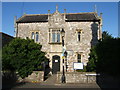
x=36 y=76
x=78 y=77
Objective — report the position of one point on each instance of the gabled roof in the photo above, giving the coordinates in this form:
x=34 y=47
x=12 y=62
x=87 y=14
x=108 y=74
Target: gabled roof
x=91 y=16
x=2 y=33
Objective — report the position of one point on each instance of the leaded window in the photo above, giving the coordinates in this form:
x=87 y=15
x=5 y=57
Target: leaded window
x=55 y=36
x=33 y=35
x=37 y=36
x=78 y=36
x=79 y=57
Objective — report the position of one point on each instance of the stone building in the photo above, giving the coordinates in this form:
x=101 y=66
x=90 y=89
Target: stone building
x=82 y=31
x=5 y=39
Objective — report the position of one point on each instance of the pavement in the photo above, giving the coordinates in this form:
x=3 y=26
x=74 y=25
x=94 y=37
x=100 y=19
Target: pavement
x=39 y=85
x=48 y=83
x=51 y=83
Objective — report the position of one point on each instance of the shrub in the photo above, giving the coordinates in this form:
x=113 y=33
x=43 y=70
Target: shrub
x=23 y=56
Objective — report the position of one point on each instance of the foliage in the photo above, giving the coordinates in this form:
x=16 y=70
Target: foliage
x=23 y=56
x=106 y=36
x=91 y=65
x=104 y=56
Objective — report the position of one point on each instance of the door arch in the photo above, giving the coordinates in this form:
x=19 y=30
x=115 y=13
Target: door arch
x=55 y=64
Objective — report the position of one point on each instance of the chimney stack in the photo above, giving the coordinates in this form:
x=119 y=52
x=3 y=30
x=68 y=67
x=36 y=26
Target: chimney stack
x=101 y=15
x=95 y=8
x=15 y=26
x=48 y=14
x=64 y=13
x=15 y=18
x=56 y=8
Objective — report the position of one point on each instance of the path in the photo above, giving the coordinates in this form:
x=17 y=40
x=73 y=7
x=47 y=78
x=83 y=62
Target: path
x=51 y=80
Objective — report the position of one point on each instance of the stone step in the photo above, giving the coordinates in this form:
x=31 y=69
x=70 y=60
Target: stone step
x=51 y=80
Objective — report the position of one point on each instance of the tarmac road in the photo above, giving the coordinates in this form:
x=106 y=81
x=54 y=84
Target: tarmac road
x=38 y=85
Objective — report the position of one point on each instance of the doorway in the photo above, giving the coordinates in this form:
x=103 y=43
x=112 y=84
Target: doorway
x=55 y=64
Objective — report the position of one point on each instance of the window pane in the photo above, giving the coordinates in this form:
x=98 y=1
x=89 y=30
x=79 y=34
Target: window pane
x=78 y=36
x=79 y=58
x=58 y=37
x=32 y=35
x=49 y=37
x=53 y=37
x=37 y=36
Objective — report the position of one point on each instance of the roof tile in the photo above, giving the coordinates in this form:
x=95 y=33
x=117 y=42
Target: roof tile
x=69 y=17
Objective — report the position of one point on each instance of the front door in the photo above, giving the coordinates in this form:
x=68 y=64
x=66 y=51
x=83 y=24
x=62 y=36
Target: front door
x=55 y=64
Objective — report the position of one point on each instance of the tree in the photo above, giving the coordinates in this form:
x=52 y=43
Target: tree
x=91 y=65
x=106 y=35
x=104 y=56
x=23 y=56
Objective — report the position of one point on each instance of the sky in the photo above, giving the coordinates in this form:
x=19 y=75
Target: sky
x=11 y=9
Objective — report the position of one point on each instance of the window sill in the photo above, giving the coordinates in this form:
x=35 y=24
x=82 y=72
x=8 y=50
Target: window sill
x=55 y=42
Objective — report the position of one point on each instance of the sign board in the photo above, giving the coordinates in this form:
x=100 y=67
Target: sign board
x=77 y=65
x=56 y=60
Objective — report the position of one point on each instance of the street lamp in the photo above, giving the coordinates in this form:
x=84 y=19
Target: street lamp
x=65 y=54
x=63 y=75
x=63 y=35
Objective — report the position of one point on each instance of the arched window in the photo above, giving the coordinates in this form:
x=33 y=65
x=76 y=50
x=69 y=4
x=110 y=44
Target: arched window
x=37 y=36
x=32 y=36
x=79 y=36
x=79 y=57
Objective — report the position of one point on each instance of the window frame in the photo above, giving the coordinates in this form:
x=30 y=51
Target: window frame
x=79 y=59
x=35 y=35
x=56 y=31
x=32 y=35
x=79 y=35
x=81 y=55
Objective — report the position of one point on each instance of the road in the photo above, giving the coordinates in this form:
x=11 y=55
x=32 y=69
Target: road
x=38 y=85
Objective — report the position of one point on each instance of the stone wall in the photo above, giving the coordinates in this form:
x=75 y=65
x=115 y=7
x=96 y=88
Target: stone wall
x=36 y=76
x=89 y=30
x=77 y=77
x=5 y=38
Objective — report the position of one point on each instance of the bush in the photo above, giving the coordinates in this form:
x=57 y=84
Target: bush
x=22 y=56
x=104 y=57
x=91 y=65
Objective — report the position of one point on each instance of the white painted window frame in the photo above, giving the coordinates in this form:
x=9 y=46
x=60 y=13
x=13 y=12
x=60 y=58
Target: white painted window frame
x=35 y=31
x=57 y=30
